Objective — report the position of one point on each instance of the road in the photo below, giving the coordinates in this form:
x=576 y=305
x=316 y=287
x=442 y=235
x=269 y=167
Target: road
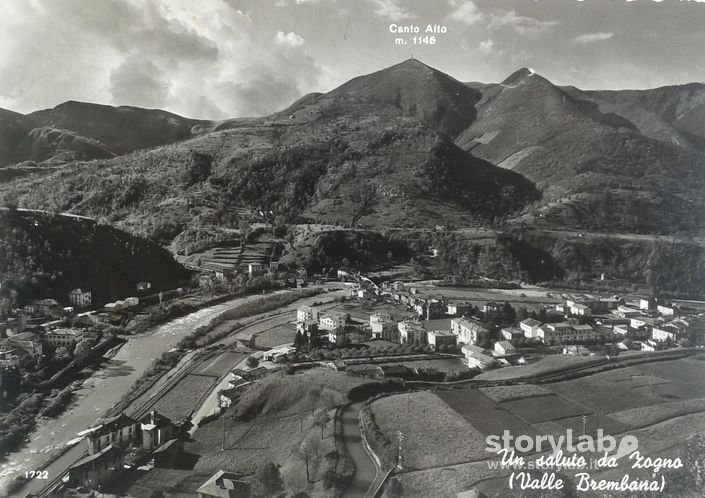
x=98 y=394
x=365 y=471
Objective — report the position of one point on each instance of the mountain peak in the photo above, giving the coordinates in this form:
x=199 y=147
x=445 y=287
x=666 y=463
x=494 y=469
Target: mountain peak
x=418 y=90
x=520 y=75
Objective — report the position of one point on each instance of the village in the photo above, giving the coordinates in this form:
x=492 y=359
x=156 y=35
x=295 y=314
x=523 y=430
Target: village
x=391 y=330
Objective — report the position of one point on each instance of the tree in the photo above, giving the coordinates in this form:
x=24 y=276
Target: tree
x=81 y=349
x=364 y=199
x=321 y=420
x=244 y=232
x=314 y=395
x=307 y=452
x=268 y=481
x=252 y=362
x=157 y=493
x=299 y=340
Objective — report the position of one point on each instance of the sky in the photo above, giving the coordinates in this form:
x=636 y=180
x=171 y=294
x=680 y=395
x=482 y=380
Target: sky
x=216 y=59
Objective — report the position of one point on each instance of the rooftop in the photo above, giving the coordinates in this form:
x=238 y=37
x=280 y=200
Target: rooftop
x=113 y=423
x=438 y=333
x=106 y=452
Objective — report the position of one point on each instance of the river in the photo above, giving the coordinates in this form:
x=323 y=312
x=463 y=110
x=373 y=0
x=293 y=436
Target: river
x=98 y=394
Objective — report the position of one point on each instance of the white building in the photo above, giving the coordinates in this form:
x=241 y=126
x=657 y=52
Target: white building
x=667 y=332
x=80 y=299
x=63 y=337
x=476 y=357
x=530 y=327
x=503 y=347
x=458 y=309
x=559 y=332
x=626 y=311
x=332 y=321
x=410 y=332
x=666 y=310
x=305 y=313
x=508 y=333
x=620 y=329
x=381 y=325
x=579 y=309
x=466 y=329
x=438 y=338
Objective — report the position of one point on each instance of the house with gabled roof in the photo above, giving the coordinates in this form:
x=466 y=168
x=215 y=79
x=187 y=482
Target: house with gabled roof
x=224 y=485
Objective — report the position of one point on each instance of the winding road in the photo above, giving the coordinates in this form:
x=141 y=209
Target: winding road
x=365 y=470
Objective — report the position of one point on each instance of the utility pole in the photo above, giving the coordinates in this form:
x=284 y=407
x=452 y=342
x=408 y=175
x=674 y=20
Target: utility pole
x=584 y=423
x=401 y=437
x=222 y=441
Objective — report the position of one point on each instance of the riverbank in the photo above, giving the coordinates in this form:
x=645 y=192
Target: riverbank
x=97 y=395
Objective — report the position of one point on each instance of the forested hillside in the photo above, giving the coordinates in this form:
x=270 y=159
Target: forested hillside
x=46 y=256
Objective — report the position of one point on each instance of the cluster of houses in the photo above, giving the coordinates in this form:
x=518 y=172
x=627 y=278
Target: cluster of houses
x=328 y=325
x=108 y=445
x=16 y=347
x=655 y=324
x=586 y=320
x=39 y=328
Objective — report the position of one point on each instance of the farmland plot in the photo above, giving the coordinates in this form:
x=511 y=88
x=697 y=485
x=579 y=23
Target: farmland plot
x=509 y=393
x=181 y=400
x=543 y=408
x=435 y=434
x=484 y=414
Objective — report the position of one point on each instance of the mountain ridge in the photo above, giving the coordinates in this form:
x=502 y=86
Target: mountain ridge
x=410 y=131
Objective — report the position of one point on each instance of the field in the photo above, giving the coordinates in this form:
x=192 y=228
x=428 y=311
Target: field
x=181 y=400
x=638 y=386
x=442 y=365
x=484 y=414
x=276 y=336
x=544 y=365
x=446 y=438
x=508 y=393
x=220 y=364
x=660 y=403
x=290 y=394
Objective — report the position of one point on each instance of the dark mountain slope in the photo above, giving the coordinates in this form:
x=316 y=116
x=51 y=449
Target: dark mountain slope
x=339 y=156
x=81 y=131
x=405 y=146
x=418 y=90
x=575 y=153
x=120 y=129
x=13 y=128
x=48 y=256
x=682 y=106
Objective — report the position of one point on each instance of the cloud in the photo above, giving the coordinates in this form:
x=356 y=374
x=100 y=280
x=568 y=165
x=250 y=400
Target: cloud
x=592 y=37
x=286 y=3
x=520 y=24
x=391 y=10
x=489 y=47
x=290 y=39
x=466 y=12
x=211 y=62
x=139 y=82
